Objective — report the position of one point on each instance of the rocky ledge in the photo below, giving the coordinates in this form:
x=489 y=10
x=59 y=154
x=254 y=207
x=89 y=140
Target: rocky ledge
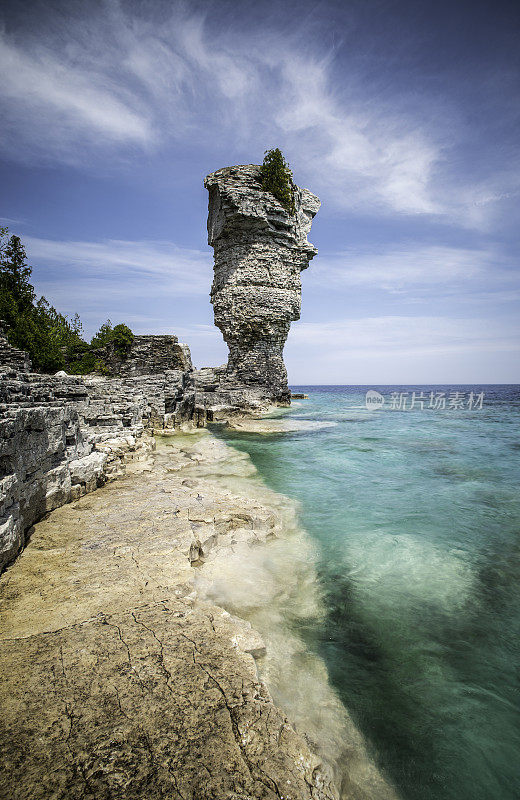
x=124 y=676
x=118 y=679
x=62 y=437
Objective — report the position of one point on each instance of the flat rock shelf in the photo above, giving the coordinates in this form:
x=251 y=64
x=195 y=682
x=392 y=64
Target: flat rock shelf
x=121 y=676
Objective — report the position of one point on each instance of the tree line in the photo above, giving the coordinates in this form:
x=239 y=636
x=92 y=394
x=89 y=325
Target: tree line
x=53 y=341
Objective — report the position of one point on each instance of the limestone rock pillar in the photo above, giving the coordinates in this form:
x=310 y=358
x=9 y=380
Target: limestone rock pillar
x=260 y=250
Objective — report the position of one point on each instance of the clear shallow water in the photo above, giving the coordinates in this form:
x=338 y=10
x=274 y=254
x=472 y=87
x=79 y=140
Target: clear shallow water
x=416 y=515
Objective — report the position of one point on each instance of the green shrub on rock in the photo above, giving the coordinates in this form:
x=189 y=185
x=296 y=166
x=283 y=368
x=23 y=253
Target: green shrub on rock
x=121 y=336
x=83 y=365
x=277 y=178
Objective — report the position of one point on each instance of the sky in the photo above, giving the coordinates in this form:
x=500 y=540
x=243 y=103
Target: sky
x=402 y=117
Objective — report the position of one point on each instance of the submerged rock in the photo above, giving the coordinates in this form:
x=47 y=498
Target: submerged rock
x=266 y=426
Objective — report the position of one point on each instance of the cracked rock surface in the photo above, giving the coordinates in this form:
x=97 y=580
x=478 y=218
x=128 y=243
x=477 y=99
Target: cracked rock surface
x=118 y=680
x=152 y=702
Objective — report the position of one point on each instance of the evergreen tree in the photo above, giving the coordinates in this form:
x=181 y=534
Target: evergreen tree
x=16 y=293
x=277 y=178
x=121 y=336
x=52 y=341
x=103 y=336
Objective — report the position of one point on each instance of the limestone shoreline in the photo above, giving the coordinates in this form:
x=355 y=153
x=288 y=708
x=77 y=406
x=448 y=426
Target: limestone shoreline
x=124 y=672
x=149 y=624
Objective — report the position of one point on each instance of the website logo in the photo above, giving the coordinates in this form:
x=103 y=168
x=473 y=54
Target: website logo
x=374 y=399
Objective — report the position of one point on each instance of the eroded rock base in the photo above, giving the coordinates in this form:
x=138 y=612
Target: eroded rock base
x=260 y=250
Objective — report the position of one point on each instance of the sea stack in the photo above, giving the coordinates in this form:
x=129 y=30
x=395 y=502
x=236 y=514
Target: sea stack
x=260 y=249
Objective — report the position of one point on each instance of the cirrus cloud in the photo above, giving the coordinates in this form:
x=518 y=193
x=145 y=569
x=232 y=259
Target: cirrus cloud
x=106 y=81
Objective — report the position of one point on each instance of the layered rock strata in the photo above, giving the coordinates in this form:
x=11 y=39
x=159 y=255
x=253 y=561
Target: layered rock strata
x=260 y=250
x=11 y=357
x=221 y=398
x=62 y=437
x=150 y=354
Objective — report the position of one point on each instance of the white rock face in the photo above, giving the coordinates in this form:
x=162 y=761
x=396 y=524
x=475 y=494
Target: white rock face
x=62 y=437
x=260 y=250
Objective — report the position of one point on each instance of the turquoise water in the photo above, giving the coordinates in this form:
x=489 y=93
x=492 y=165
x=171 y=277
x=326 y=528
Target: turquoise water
x=417 y=517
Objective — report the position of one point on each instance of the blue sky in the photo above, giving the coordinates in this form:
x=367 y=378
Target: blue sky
x=402 y=116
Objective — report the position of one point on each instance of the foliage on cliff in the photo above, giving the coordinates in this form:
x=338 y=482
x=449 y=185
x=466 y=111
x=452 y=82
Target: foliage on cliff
x=52 y=340
x=121 y=336
x=277 y=178
x=34 y=325
x=89 y=359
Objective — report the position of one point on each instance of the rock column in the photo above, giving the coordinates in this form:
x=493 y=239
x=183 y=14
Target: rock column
x=260 y=250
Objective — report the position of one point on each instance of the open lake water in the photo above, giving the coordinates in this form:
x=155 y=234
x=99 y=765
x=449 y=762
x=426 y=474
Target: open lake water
x=416 y=516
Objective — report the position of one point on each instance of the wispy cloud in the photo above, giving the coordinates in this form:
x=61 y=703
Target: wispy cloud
x=404 y=335
x=154 y=287
x=9 y=221
x=54 y=109
x=404 y=349
x=405 y=267
x=112 y=80
x=118 y=82
x=181 y=270
x=369 y=153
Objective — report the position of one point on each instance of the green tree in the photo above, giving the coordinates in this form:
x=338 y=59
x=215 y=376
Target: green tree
x=121 y=336
x=277 y=178
x=103 y=336
x=31 y=327
x=16 y=293
x=52 y=340
x=34 y=333
x=84 y=363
